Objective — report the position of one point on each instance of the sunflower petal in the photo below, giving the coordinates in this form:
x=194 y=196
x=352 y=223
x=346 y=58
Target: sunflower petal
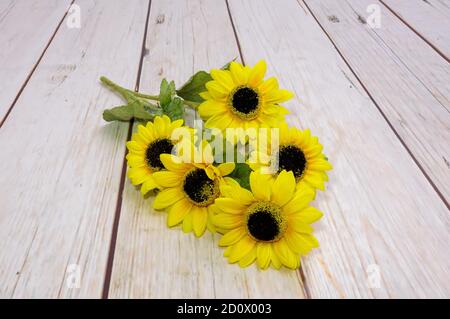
x=148 y=185
x=238 y=73
x=177 y=212
x=263 y=252
x=167 y=197
x=210 y=108
x=226 y=168
x=258 y=183
x=302 y=197
x=232 y=237
x=242 y=248
x=248 y=259
x=228 y=221
x=257 y=73
x=230 y=205
x=308 y=215
x=167 y=178
x=283 y=188
x=223 y=77
x=187 y=223
x=174 y=163
x=199 y=219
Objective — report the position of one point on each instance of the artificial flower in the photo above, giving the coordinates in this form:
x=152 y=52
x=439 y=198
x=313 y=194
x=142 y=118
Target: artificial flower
x=190 y=188
x=269 y=224
x=145 y=148
x=298 y=152
x=240 y=97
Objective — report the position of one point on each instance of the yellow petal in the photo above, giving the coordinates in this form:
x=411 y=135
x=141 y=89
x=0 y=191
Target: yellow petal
x=148 y=185
x=199 y=218
x=145 y=133
x=223 y=77
x=232 y=237
x=285 y=255
x=187 y=223
x=210 y=108
x=300 y=243
x=228 y=221
x=238 y=73
x=167 y=197
x=226 y=168
x=257 y=73
x=308 y=215
x=260 y=187
x=268 y=85
x=136 y=161
x=138 y=175
x=178 y=211
x=174 y=163
x=217 y=91
x=278 y=96
x=263 y=254
x=167 y=178
x=134 y=146
x=302 y=197
x=248 y=259
x=219 y=121
x=160 y=126
x=320 y=165
x=230 y=205
x=283 y=188
x=242 y=248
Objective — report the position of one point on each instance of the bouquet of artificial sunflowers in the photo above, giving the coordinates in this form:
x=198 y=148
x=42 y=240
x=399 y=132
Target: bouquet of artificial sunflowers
x=240 y=171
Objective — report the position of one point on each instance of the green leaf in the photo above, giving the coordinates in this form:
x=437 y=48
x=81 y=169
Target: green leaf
x=134 y=110
x=241 y=174
x=175 y=109
x=167 y=92
x=194 y=86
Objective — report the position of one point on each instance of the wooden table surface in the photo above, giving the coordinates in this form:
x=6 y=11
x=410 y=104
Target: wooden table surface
x=371 y=79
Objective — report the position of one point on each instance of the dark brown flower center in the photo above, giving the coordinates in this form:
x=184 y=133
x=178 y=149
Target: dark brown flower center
x=245 y=102
x=155 y=149
x=265 y=222
x=291 y=158
x=200 y=188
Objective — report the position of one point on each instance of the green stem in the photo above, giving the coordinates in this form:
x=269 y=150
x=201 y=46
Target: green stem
x=125 y=91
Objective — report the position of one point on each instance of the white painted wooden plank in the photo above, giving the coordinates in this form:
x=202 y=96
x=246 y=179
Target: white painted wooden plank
x=26 y=27
x=152 y=261
x=407 y=79
x=380 y=211
x=60 y=164
x=429 y=18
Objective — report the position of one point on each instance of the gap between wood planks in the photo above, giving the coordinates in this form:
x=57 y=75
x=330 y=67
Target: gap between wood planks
x=436 y=189
x=418 y=34
x=112 y=247
x=35 y=66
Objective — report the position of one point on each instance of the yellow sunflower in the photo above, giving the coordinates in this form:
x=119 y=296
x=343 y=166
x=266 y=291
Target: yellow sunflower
x=146 y=146
x=298 y=152
x=270 y=224
x=240 y=97
x=190 y=189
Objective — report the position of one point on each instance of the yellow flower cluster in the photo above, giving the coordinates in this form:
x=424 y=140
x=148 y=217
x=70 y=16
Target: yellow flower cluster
x=267 y=220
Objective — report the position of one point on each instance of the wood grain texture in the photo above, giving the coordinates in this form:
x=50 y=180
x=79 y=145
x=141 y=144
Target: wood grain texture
x=152 y=261
x=26 y=28
x=380 y=211
x=60 y=164
x=429 y=18
x=408 y=80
